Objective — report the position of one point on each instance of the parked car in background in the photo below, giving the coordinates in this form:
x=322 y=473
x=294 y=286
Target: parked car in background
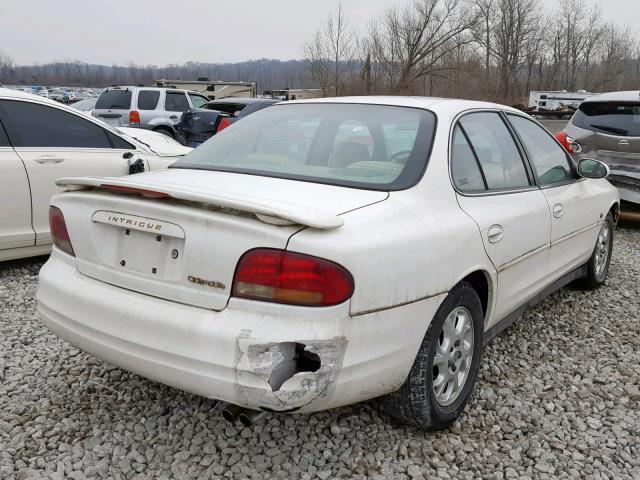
x=199 y=124
x=42 y=140
x=157 y=109
x=607 y=127
x=320 y=253
x=87 y=105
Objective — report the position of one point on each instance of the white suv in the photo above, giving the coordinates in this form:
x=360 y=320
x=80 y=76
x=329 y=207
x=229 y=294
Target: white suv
x=158 y=109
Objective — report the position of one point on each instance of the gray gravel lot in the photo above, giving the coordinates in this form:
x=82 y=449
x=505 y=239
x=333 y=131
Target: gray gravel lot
x=557 y=398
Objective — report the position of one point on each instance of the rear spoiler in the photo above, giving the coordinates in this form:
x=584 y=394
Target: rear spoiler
x=268 y=211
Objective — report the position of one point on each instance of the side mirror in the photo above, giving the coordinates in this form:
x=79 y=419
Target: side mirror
x=590 y=168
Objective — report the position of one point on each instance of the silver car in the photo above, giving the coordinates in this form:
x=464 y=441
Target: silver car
x=157 y=109
x=607 y=127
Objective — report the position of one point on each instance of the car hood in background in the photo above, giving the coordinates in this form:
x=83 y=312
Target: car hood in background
x=158 y=143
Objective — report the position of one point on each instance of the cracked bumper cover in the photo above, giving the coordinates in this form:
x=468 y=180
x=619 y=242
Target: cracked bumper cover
x=230 y=355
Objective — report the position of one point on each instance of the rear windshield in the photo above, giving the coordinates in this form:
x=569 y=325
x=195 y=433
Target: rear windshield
x=114 y=100
x=364 y=146
x=616 y=118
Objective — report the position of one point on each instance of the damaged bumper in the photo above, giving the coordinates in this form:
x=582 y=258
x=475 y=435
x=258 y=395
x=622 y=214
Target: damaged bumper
x=257 y=355
x=624 y=173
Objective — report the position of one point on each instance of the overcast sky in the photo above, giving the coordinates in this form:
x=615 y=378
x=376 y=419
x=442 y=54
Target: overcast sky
x=159 y=32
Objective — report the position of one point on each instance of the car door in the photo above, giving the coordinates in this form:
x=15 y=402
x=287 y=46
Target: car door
x=175 y=104
x=576 y=207
x=15 y=199
x=53 y=142
x=495 y=188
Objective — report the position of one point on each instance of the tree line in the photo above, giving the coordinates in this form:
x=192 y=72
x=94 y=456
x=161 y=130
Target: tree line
x=494 y=50
x=268 y=74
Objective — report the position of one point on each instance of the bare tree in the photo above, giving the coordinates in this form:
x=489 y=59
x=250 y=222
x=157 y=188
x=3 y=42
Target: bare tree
x=412 y=42
x=331 y=53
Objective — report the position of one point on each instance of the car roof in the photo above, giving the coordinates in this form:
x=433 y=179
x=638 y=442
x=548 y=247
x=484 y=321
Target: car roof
x=243 y=100
x=159 y=89
x=627 y=96
x=429 y=103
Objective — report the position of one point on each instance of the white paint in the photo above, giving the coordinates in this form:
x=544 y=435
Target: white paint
x=405 y=250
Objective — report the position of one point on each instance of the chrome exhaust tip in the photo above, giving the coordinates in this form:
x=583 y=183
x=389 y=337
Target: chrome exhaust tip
x=231 y=412
x=251 y=417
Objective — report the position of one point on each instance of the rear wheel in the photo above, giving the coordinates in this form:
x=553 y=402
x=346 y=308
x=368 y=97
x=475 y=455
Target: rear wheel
x=440 y=382
x=598 y=266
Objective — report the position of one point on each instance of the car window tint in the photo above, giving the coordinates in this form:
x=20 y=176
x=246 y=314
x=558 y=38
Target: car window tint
x=34 y=125
x=148 y=99
x=4 y=140
x=353 y=143
x=548 y=158
x=114 y=100
x=496 y=150
x=117 y=142
x=338 y=144
x=615 y=118
x=465 y=171
x=399 y=138
x=291 y=138
x=176 y=102
x=198 y=101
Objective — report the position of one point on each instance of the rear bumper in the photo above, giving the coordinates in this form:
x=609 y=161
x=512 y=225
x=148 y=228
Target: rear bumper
x=233 y=354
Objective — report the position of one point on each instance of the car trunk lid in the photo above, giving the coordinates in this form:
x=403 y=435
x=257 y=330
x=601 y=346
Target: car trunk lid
x=185 y=246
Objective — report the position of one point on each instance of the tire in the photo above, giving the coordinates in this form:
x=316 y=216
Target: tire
x=165 y=131
x=416 y=402
x=598 y=265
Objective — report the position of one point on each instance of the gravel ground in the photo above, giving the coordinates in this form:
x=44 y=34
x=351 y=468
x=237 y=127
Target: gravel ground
x=557 y=398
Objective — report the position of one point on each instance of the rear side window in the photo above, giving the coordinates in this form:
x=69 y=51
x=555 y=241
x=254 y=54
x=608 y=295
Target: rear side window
x=34 y=125
x=176 y=102
x=4 y=140
x=117 y=142
x=616 y=118
x=197 y=100
x=148 y=99
x=114 y=100
x=495 y=150
x=465 y=169
x=548 y=158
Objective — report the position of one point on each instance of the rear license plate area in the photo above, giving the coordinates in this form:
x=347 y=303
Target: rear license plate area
x=148 y=253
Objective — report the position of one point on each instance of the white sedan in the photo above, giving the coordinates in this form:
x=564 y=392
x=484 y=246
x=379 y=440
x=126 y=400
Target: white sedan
x=324 y=252
x=42 y=140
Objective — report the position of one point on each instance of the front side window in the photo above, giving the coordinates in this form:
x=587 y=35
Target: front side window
x=34 y=125
x=549 y=159
x=4 y=140
x=495 y=150
x=365 y=146
x=614 y=118
x=176 y=102
x=148 y=99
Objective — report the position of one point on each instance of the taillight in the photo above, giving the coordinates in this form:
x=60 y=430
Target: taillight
x=134 y=118
x=293 y=278
x=224 y=123
x=569 y=144
x=59 y=233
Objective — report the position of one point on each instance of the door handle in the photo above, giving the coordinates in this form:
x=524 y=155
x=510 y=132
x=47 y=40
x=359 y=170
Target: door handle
x=48 y=159
x=558 y=210
x=495 y=233
x=173 y=117
x=623 y=143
